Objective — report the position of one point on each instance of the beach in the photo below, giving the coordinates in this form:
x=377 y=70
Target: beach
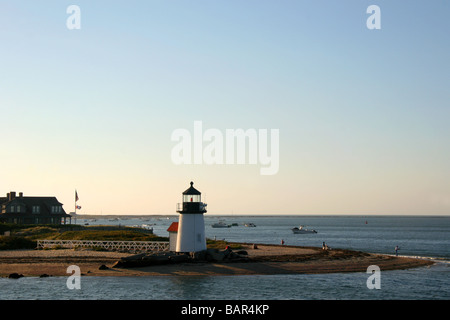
x=264 y=260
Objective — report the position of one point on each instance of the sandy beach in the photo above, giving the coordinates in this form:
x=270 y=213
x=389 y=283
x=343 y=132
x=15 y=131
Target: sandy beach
x=266 y=259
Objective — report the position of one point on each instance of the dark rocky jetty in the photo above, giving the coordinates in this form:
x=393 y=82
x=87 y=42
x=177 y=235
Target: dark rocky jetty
x=209 y=255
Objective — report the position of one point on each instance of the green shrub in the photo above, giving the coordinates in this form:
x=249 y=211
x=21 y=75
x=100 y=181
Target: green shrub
x=108 y=235
x=25 y=236
x=14 y=243
x=222 y=244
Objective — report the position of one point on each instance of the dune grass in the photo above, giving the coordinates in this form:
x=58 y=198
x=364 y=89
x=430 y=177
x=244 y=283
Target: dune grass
x=24 y=237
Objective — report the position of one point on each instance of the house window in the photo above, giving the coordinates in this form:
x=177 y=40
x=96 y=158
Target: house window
x=56 y=209
x=36 y=209
x=18 y=208
x=13 y=209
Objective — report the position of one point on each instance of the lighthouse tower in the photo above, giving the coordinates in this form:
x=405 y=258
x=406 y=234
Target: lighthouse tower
x=191 y=226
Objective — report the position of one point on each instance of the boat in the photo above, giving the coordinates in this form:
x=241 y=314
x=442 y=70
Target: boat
x=143 y=226
x=220 y=224
x=302 y=230
x=147 y=227
x=251 y=225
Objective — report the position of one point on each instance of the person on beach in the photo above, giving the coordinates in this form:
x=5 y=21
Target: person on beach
x=396 y=250
x=282 y=242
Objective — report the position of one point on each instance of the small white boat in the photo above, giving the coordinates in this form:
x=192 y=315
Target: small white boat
x=251 y=225
x=220 y=224
x=302 y=230
x=143 y=226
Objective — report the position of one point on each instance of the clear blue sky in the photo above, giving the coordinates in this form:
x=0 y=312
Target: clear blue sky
x=363 y=114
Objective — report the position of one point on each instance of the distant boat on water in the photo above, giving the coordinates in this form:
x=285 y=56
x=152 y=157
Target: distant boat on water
x=250 y=225
x=144 y=226
x=220 y=224
x=301 y=230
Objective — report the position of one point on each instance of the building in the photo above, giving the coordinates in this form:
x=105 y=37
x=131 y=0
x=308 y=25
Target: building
x=173 y=233
x=32 y=210
x=191 y=226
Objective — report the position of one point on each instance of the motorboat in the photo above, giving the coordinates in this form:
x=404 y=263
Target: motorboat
x=220 y=224
x=147 y=227
x=301 y=229
x=251 y=225
x=143 y=226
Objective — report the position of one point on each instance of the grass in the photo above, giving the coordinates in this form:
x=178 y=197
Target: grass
x=222 y=244
x=14 y=243
x=25 y=236
x=106 y=235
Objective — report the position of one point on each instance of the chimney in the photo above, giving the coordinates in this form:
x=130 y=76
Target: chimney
x=20 y=194
x=11 y=195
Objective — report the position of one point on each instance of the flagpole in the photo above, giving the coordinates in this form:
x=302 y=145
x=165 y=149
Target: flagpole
x=75 y=202
x=75 y=212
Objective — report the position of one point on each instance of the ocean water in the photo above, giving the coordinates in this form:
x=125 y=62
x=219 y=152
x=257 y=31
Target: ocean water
x=426 y=237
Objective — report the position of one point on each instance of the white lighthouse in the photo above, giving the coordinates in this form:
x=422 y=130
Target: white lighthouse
x=191 y=226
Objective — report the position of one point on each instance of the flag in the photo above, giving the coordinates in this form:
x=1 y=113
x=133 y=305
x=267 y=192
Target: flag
x=76 y=196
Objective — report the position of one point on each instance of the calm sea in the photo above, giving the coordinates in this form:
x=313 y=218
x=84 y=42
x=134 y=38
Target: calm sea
x=426 y=237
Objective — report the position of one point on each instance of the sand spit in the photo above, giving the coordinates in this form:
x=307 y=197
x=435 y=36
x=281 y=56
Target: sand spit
x=266 y=259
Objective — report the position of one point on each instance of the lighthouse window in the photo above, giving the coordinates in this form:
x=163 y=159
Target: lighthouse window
x=191 y=198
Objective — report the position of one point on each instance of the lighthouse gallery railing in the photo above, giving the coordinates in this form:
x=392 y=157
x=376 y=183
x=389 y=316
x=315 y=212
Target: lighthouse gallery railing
x=108 y=245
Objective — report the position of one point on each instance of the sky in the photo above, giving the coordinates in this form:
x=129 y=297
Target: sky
x=362 y=114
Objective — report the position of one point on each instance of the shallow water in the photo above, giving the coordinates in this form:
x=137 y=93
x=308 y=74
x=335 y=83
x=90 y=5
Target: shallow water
x=421 y=283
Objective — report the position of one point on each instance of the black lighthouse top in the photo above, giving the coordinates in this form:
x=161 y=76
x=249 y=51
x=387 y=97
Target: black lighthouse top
x=192 y=190
x=192 y=201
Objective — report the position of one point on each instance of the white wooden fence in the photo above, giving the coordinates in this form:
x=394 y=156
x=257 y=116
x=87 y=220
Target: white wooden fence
x=133 y=246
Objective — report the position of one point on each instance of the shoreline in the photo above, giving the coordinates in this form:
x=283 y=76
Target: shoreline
x=265 y=260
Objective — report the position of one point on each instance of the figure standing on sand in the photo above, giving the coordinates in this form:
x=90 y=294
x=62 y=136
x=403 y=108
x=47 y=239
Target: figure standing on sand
x=324 y=246
x=396 y=250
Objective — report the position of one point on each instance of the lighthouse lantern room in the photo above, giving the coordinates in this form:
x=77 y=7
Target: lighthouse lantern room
x=191 y=226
